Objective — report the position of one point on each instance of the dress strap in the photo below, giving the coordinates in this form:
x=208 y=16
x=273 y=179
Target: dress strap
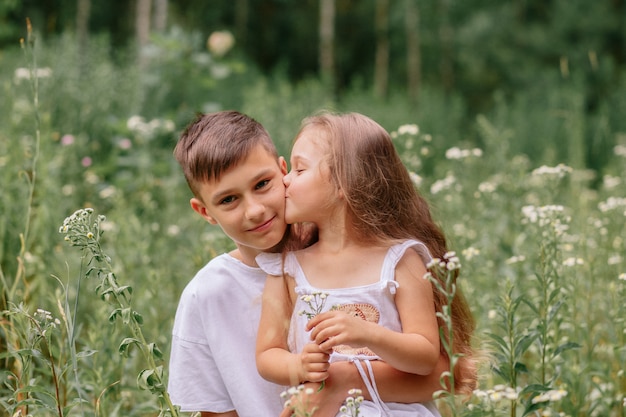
x=396 y=252
x=370 y=384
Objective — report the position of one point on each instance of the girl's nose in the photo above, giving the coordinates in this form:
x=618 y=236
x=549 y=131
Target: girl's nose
x=287 y=179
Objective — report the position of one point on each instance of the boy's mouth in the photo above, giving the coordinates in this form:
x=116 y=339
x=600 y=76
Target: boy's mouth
x=263 y=226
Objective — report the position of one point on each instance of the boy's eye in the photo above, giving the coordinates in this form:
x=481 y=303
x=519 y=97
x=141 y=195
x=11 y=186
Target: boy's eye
x=227 y=200
x=262 y=184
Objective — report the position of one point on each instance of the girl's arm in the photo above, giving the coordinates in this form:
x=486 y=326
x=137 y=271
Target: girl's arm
x=415 y=350
x=274 y=361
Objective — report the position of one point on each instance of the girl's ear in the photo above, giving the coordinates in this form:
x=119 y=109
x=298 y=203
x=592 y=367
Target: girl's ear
x=282 y=163
x=198 y=206
x=340 y=194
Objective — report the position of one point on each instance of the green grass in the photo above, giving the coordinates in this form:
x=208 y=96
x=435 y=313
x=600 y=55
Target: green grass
x=547 y=292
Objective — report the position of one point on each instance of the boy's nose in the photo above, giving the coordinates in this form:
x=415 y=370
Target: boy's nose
x=254 y=209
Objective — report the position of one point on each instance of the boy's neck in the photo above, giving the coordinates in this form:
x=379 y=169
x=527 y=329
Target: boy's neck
x=246 y=256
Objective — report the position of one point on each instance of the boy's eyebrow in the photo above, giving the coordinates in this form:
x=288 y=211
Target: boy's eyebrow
x=229 y=191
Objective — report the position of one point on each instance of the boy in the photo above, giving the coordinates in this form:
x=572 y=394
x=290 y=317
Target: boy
x=232 y=167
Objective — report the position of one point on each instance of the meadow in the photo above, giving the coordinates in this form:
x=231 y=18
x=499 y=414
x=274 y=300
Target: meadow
x=97 y=239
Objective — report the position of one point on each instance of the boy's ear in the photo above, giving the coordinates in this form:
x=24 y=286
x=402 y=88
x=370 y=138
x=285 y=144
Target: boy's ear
x=198 y=206
x=283 y=165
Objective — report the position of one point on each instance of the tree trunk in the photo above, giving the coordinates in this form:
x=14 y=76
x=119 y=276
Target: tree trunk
x=241 y=22
x=142 y=28
x=413 y=56
x=160 y=15
x=446 y=36
x=83 y=8
x=327 y=41
x=381 y=69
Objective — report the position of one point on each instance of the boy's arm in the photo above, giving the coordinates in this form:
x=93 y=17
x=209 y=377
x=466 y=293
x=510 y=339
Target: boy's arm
x=402 y=387
x=393 y=386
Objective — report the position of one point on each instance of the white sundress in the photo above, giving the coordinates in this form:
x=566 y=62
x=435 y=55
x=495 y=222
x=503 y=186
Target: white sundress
x=373 y=302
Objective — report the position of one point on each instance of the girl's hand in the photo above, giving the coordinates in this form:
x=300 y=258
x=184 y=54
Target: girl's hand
x=324 y=400
x=314 y=362
x=334 y=328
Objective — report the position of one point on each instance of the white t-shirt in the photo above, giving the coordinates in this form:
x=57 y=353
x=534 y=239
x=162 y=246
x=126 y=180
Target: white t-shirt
x=212 y=361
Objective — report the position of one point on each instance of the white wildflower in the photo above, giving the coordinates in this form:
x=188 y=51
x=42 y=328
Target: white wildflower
x=456 y=153
x=620 y=150
x=220 y=42
x=559 y=171
x=107 y=192
x=515 y=259
x=433 y=262
x=25 y=74
x=486 y=187
x=610 y=182
x=573 y=261
x=612 y=203
x=173 y=230
x=443 y=184
x=470 y=252
x=415 y=179
x=408 y=129
x=550 y=395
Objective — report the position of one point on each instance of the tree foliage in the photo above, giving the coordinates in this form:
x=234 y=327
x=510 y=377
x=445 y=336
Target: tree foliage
x=482 y=50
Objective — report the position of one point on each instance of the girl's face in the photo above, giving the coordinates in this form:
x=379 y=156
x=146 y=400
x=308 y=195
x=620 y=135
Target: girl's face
x=310 y=194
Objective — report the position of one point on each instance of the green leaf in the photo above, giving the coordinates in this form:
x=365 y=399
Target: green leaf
x=114 y=314
x=138 y=317
x=524 y=343
x=86 y=353
x=155 y=351
x=125 y=288
x=125 y=345
x=502 y=344
x=564 y=347
x=520 y=367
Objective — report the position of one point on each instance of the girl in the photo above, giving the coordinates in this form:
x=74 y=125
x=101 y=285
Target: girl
x=375 y=238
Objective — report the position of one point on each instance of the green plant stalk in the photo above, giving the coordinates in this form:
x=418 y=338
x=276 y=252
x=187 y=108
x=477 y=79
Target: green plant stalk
x=20 y=273
x=32 y=179
x=70 y=328
x=510 y=328
x=546 y=279
x=122 y=300
x=448 y=289
x=81 y=232
x=50 y=359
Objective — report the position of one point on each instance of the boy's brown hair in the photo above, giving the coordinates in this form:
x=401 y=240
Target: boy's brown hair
x=214 y=143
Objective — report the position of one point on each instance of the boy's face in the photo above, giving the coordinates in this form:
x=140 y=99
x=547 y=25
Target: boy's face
x=248 y=203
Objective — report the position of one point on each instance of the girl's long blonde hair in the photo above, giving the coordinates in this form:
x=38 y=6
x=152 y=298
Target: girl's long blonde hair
x=384 y=206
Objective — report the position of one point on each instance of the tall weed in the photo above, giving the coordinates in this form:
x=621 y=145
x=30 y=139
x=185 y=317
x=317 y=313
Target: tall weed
x=541 y=239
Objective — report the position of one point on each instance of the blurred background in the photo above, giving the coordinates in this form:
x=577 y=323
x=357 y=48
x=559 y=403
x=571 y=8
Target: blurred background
x=550 y=70
x=509 y=114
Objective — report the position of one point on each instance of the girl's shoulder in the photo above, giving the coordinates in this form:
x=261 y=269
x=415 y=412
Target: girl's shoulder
x=277 y=263
x=270 y=263
x=400 y=249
